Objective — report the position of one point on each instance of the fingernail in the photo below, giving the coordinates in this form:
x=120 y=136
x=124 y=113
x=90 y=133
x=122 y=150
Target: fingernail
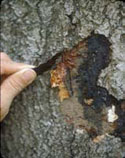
x=28 y=75
x=28 y=66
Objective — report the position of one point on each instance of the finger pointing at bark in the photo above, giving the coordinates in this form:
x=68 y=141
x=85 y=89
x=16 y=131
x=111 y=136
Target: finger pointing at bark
x=10 y=67
x=7 y=66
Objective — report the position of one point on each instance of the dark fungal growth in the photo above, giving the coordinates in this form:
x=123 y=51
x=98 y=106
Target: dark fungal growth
x=98 y=58
x=85 y=104
x=120 y=129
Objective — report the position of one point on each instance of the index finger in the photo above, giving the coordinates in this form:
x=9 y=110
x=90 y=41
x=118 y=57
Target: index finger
x=7 y=66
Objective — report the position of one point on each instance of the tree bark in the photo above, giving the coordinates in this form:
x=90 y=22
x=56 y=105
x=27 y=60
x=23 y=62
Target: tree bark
x=33 y=32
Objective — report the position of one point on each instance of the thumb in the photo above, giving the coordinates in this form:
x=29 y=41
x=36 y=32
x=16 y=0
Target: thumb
x=12 y=86
x=18 y=81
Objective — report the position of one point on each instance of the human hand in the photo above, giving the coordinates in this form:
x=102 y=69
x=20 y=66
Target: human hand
x=14 y=77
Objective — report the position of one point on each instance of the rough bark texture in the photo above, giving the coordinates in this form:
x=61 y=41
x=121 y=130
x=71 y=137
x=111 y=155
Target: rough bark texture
x=32 y=32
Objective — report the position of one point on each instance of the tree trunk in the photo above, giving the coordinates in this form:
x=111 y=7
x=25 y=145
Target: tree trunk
x=32 y=31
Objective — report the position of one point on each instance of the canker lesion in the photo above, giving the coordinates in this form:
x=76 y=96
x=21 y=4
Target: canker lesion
x=76 y=75
x=63 y=68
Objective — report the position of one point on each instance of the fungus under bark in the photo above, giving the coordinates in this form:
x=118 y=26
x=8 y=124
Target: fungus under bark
x=76 y=75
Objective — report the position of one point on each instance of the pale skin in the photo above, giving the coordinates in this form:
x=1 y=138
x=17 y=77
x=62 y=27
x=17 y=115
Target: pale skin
x=14 y=78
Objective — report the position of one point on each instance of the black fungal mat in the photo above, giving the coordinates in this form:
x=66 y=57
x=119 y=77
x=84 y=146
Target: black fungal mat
x=98 y=57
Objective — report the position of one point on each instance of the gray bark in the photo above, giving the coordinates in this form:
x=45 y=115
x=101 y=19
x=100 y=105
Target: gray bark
x=33 y=31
